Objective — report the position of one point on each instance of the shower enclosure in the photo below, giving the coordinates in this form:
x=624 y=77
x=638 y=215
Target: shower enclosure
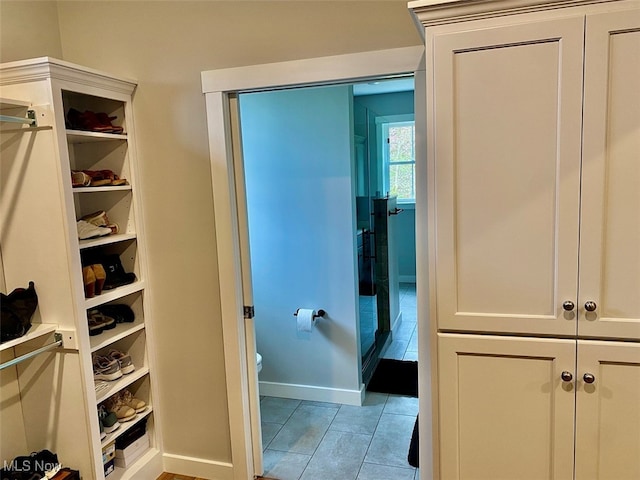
x=377 y=270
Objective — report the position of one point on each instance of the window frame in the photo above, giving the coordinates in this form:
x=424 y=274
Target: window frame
x=383 y=124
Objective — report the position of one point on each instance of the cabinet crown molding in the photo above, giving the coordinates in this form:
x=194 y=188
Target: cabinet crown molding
x=43 y=68
x=437 y=12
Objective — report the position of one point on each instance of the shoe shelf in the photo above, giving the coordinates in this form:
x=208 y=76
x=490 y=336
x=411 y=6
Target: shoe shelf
x=115 y=294
x=99 y=135
x=82 y=136
x=122 y=383
x=107 y=240
x=7 y=104
x=126 y=426
x=122 y=330
x=36 y=330
x=95 y=151
x=101 y=189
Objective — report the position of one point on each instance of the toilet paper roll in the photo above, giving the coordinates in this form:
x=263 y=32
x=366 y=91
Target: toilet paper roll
x=305 y=319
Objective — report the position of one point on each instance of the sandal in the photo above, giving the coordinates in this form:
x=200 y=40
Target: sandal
x=101 y=178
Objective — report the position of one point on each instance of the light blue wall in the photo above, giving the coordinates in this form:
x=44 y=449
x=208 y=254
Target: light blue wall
x=385 y=105
x=406 y=244
x=298 y=165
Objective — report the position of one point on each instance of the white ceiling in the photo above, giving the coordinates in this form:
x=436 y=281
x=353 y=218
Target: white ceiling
x=384 y=86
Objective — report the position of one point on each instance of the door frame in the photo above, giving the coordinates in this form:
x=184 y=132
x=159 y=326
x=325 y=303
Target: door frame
x=221 y=89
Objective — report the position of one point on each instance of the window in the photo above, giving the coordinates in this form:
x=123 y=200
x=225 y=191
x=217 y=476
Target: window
x=399 y=159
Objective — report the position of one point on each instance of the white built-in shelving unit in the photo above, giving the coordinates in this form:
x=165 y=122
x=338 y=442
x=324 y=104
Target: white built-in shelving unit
x=40 y=208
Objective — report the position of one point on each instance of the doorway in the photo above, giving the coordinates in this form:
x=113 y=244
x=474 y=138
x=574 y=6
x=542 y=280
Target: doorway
x=305 y=209
x=222 y=108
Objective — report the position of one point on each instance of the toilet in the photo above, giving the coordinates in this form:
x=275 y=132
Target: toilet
x=259 y=361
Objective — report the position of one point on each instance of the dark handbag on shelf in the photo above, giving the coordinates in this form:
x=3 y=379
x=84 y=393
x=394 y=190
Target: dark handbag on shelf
x=17 y=309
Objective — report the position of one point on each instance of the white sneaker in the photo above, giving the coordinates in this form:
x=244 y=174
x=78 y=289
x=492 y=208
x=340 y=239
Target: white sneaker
x=87 y=230
x=105 y=369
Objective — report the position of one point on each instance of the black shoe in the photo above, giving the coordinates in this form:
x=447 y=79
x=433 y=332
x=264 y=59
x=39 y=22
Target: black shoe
x=116 y=276
x=120 y=312
x=33 y=467
x=17 y=309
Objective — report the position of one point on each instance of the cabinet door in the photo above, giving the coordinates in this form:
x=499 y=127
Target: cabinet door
x=608 y=411
x=610 y=225
x=507 y=103
x=505 y=413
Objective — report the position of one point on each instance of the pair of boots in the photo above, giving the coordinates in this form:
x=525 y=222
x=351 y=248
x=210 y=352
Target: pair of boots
x=105 y=274
x=94 y=276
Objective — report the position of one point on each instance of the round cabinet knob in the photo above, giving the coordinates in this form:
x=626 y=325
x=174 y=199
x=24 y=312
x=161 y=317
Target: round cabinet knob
x=589 y=378
x=568 y=305
x=590 y=306
x=566 y=376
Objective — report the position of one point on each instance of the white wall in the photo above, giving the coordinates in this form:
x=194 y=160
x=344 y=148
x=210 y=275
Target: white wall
x=165 y=45
x=29 y=29
x=297 y=149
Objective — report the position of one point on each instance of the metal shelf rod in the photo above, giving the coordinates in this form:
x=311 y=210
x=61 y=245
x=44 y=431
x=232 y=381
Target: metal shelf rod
x=26 y=356
x=30 y=120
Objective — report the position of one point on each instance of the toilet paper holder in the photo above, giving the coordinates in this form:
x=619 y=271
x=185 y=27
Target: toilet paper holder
x=321 y=313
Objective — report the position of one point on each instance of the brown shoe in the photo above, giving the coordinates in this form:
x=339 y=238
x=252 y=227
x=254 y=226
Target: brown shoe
x=89 y=279
x=101 y=276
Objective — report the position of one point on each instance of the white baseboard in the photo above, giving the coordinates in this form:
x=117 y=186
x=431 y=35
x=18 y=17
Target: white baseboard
x=312 y=393
x=407 y=278
x=197 y=467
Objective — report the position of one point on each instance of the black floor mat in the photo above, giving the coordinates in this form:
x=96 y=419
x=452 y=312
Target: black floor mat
x=399 y=377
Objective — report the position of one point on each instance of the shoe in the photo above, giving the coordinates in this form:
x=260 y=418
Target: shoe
x=123 y=412
x=80 y=179
x=101 y=277
x=89 y=280
x=105 y=369
x=105 y=119
x=109 y=420
x=103 y=434
x=123 y=359
x=116 y=276
x=87 y=230
x=96 y=327
x=99 y=218
x=102 y=178
x=120 y=312
x=18 y=308
x=128 y=399
x=107 y=322
x=40 y=465
x=87 y=120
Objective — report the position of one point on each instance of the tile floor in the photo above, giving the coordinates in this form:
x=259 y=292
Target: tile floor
x=405 y=341
x=305 y=440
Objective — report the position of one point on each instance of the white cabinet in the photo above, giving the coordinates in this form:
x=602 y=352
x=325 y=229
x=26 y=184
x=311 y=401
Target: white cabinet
x=505 y=412
x=533 y=171
x=526 y=188
x=508 y=105
x=610 y=199
x=507 y=407
x=608 y=410
x=40 y=242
